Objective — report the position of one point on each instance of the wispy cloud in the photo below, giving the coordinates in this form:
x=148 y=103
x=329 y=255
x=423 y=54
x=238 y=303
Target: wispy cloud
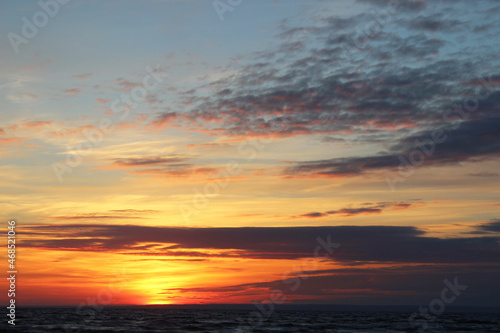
x=111 y=214
x=22 y=97
x=172 y=166
x=82 y=76
x=367 y=208
x=73 y=91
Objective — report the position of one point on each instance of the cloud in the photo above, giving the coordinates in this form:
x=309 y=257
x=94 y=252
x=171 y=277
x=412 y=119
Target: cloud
x=102 y=100
x=125 y=85
x=366 y=209
x=142 y=161
x=412 y=5
x=163 y=120
x=320 y=79
x=9 y=141
x=178 y=171
x=484 y=174
x=88 y=216
x=38 y=123
x=111 y=214
x=161 y=166
x=74 y=91
x=358 y=243
x=492 y=226
x=22 y=97
x=82 y=76
x=134 y=211
x=403 y=285
x=212 y=145
x=72 y=131
x=436 y=22
x=473 y=140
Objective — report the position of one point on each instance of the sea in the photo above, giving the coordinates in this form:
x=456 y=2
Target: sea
x=137 y=319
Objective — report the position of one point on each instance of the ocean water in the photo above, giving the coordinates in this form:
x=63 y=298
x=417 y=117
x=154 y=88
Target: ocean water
x=161 y=319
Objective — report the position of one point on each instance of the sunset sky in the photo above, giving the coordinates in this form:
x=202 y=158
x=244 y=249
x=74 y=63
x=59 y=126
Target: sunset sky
x=173 y=152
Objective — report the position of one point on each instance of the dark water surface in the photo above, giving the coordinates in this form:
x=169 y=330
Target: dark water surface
x=160 y=319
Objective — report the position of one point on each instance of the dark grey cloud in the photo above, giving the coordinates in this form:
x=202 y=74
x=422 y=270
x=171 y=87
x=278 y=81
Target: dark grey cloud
x=473 y=140
x=492 y=226
x=412 y=5
x=367 y=208
x=405 y=266
x=358 y=243
x=436 y=22
x=140 y=161
x=407 y=285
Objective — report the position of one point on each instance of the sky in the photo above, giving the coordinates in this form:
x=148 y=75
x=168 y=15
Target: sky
x=193 y=152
